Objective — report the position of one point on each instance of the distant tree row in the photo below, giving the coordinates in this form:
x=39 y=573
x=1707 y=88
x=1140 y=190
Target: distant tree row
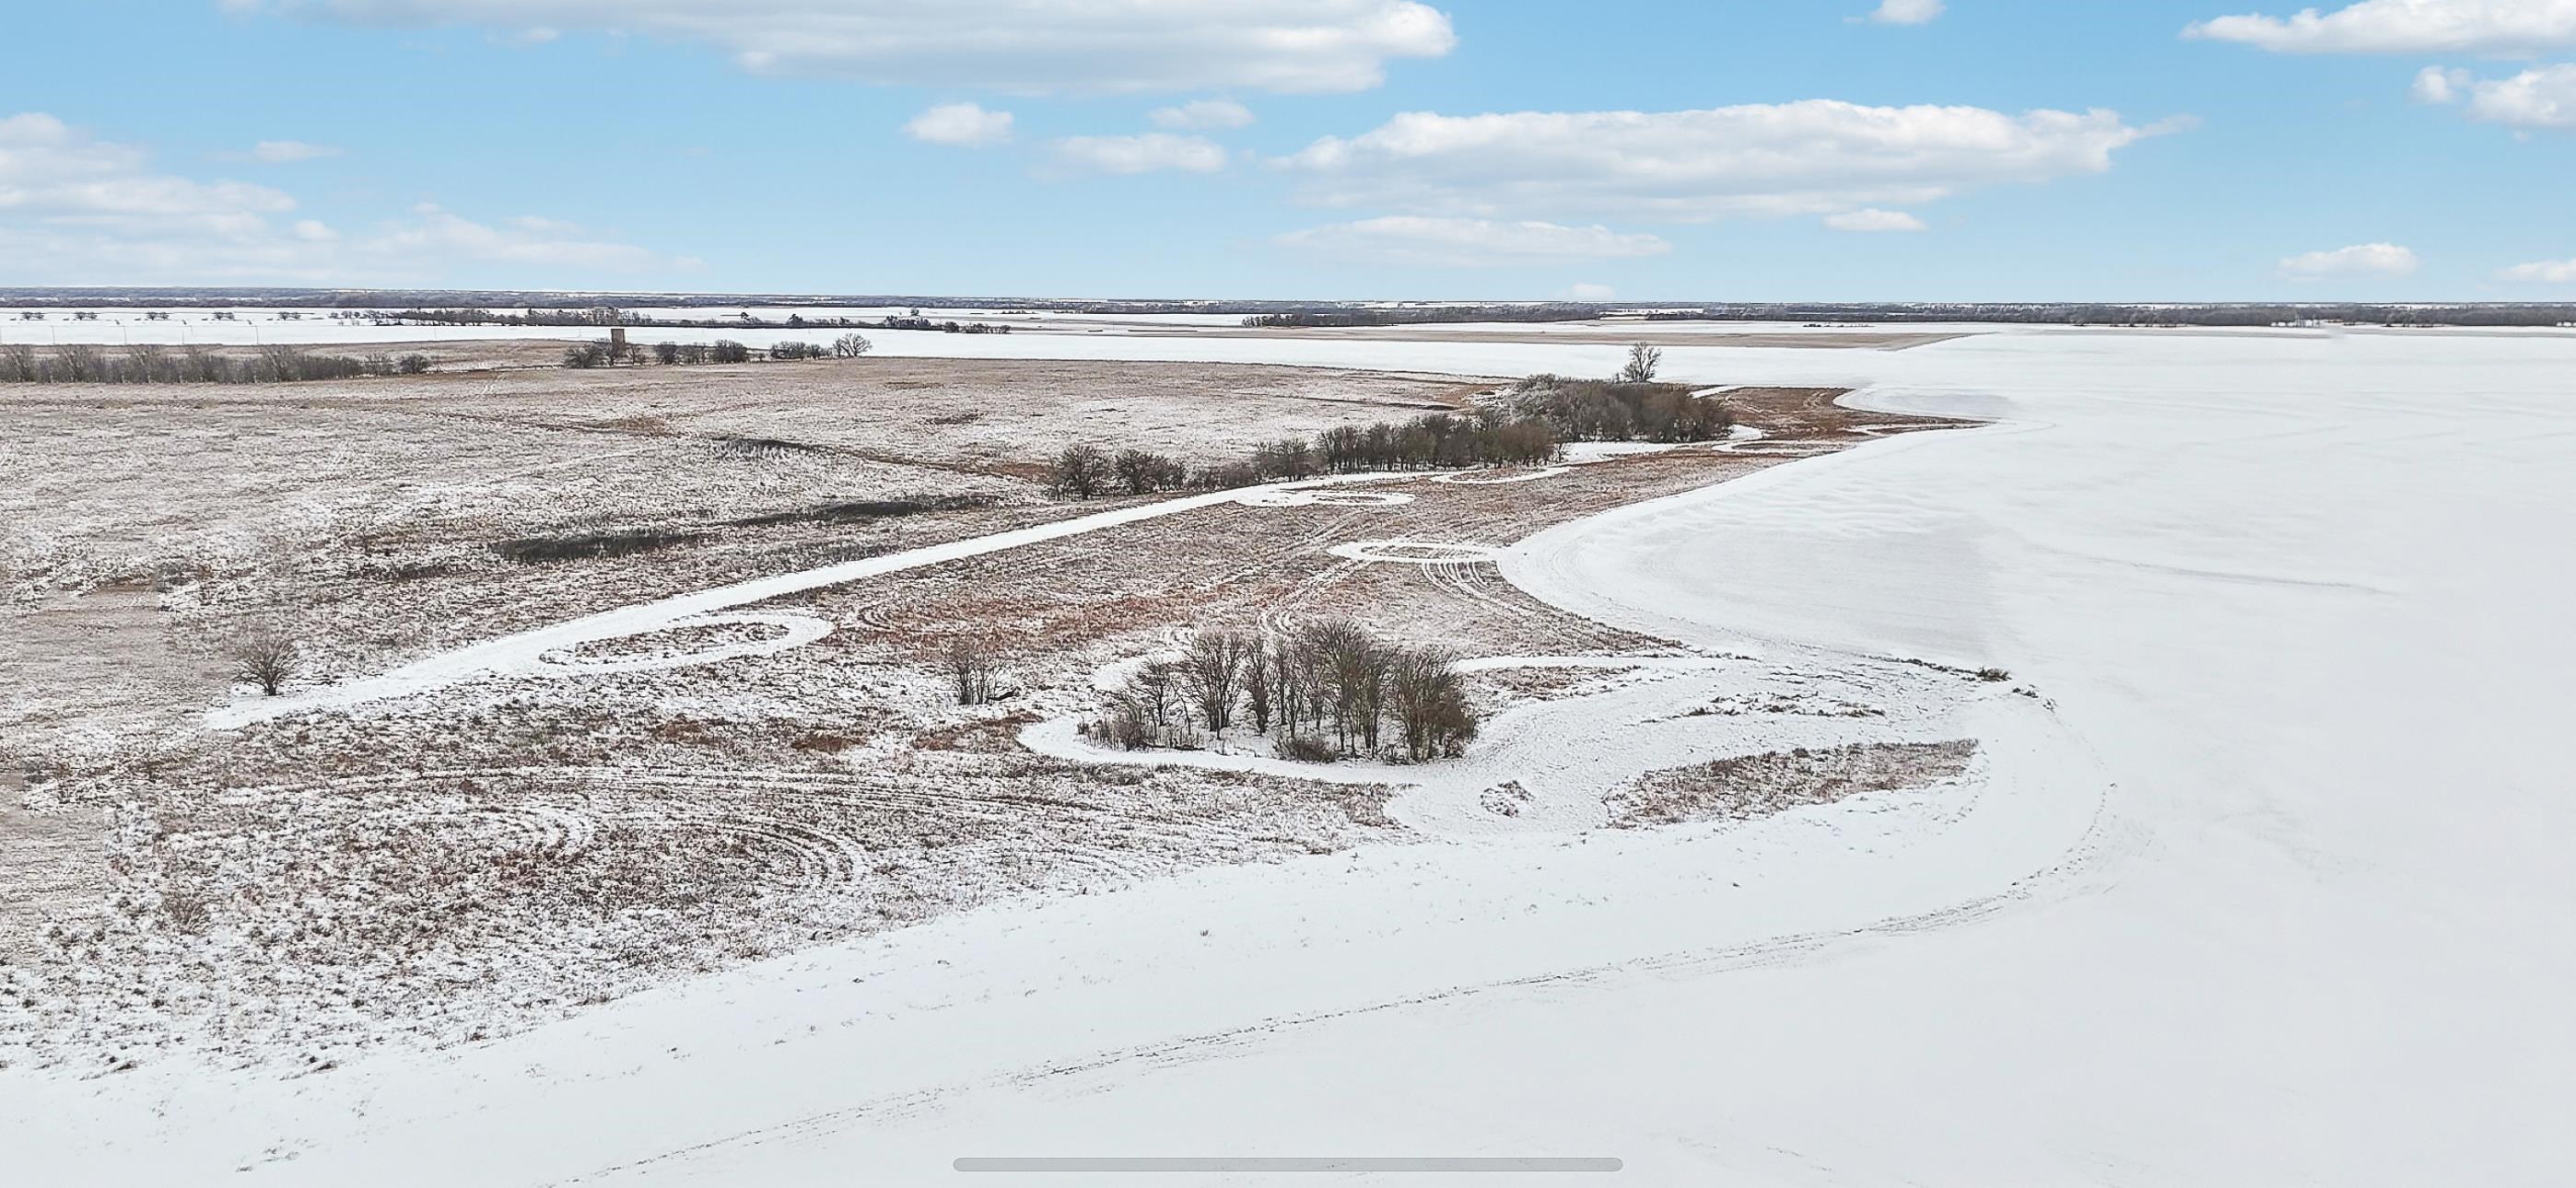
x=1323 y=691
x=2498 y=313
x=613 y=353
x=154 y=364
x=609 y=315
x=724 y=350
x=1417 y=315
x=917 y=322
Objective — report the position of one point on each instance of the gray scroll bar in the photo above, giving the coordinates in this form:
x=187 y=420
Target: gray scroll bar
x=1324 y=1164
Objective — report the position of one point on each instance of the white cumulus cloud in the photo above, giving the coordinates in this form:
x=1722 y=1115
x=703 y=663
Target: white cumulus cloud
x=1869 y=219
x=75 y=209
x=2361 y=259
x=963 y=124
x=2405 y=26
x=280 y=152
x=1149 y=152
x=433 y=232
x=2542 y=97
x=1587 y=291
x=1018 y=46
x=1464 y=243
x=1817 y=156
x=2552 y=272
x=52 y=174
x=2434 y=84
x=1202 y=114
x=1906 y=12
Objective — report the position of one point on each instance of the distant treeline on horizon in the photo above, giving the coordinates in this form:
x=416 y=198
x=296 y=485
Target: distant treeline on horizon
x=1299 y=314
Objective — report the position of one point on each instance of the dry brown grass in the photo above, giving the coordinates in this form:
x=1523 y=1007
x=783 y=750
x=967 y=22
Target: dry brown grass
x=1748 y=786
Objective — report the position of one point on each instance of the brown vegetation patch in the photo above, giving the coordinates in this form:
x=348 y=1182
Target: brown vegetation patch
x=1749 y=786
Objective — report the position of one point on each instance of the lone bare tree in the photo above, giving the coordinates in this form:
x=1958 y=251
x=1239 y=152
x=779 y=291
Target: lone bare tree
x=1643 y=359
x=850 y=346
x=266 y=656
x=969 y=660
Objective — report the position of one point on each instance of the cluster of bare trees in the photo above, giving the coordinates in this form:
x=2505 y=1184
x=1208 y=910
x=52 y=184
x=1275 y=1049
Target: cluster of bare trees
x=1439 y=441
x=613 y=353
x=1323 y=691
x=83 y=363
x=1083 y=471
x=1529 y=426
x=1620 y=410
x=1484 y=437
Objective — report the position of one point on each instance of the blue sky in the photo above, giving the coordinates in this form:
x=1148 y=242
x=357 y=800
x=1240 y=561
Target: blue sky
x=2392 y=149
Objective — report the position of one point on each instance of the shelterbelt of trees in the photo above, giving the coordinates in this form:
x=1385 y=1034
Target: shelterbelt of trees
x=1525 y=426
x=154 y=364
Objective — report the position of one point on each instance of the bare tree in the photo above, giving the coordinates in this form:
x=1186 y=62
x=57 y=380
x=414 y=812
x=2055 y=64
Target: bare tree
x=266 y=656
x=969 y=660
x=1430 y=701
x=850 y=346
x=1081 y=472
x=1214 y=671
x=1256 y=684
x=1142 y=472
x=1158 y=687
x=1126 y=723
x=1643 y=359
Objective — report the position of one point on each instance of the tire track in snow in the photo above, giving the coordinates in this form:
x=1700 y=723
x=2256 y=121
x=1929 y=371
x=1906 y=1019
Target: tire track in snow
x=523 y=653
x=2081 y=865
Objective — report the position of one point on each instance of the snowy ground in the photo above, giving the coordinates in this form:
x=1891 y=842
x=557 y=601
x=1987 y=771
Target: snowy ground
x=2254 y=878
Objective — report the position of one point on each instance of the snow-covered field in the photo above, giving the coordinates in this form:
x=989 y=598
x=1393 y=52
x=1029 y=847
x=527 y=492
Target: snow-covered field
x=2261 y=883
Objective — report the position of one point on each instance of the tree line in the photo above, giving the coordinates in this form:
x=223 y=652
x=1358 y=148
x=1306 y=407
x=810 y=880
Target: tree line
x=156 y=364
x=1323 y=691
x=1529 y=426
x=1419 y=315
x=2260 y=313
x=612 y=352
x=1434 y=441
